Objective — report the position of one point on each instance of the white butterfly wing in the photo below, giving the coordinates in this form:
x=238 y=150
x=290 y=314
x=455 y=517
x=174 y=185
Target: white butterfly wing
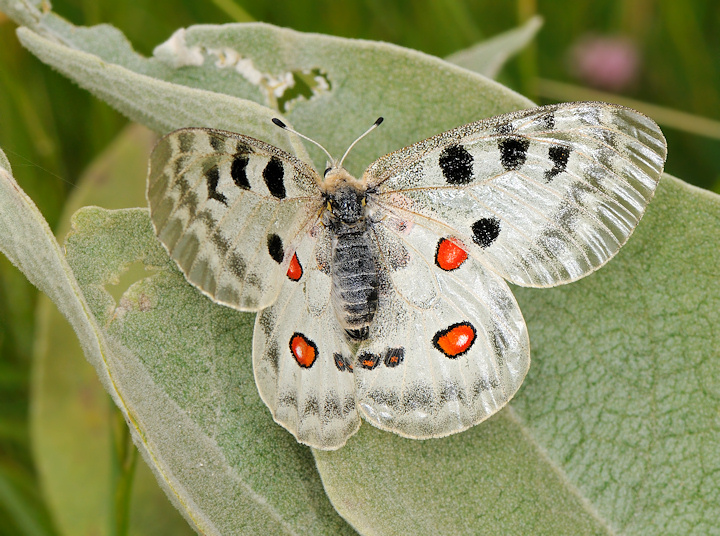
x=448 y=347
x=546 y=195
x=229 y=208
x=301 y=359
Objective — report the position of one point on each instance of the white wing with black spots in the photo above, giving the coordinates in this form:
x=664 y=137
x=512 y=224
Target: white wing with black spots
x=228 y=208
x=547 y=195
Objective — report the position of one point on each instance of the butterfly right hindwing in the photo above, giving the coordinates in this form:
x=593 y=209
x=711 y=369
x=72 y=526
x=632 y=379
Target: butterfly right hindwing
x=448 y=347
x=228 y=208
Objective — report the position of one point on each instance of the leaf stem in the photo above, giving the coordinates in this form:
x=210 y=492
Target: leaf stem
x=123 y=472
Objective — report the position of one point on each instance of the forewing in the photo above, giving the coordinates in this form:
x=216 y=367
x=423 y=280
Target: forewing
x=229 y=208
x=448 y=347
x=543 y=196
x=302 y=362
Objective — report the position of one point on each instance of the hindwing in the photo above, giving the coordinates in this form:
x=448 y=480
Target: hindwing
x=448 y=347
x=302 y=362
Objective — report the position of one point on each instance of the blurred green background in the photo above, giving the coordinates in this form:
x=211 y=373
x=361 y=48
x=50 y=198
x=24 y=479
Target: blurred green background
x=663 y=53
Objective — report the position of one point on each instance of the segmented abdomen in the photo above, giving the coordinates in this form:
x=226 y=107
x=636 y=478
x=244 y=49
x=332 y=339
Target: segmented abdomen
x=355 y=281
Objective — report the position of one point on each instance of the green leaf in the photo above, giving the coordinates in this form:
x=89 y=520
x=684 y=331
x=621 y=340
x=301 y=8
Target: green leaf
x=615 y=428
x=72 y=419
x=489 y=56
x=619 y=365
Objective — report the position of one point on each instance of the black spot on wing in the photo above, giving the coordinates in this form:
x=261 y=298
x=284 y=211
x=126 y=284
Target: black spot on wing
x=358 y=334
x=221 y=243
x=180 y=164
x=483 y=385
x=339 y=361
x=267 y=321
x=273 y=176
x=368 y=360
x=504 y=128
x=254 y=281
x=186 y=140
x=485 y=231
x=311 y=407
x=190 y=203
x=205 y=216
x=394 y=356
x=212 y=176
x=456 y=164
x=513 y=152
x=273 y=356
x=547 y=121
x=238 y=171
x=217 y=143
x=417 y=395
x=332 y=408
x=237 y=266
x=559 y=155
x=275 y=248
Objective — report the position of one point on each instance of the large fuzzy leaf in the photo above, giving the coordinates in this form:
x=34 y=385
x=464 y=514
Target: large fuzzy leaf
x=74 y=434
x=614 y=430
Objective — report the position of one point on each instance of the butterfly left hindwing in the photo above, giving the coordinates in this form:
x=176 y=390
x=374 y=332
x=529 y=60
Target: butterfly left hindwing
x=301 y=359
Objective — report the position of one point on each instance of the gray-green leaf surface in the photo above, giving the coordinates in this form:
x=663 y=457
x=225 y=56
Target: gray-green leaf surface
x=614 y=431
x=75 y=433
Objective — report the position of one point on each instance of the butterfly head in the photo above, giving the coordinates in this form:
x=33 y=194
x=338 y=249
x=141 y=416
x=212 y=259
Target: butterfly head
x=344 y=196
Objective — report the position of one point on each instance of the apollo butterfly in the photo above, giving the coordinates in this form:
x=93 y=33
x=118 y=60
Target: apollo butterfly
x=385 y=297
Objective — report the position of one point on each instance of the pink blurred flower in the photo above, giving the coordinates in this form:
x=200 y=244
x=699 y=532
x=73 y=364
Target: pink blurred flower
x=604 y=62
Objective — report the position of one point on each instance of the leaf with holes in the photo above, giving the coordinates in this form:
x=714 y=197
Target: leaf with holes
x=613 y=430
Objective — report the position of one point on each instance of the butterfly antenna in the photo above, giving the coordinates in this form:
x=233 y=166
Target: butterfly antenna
x=285 y=127
x=368 y=131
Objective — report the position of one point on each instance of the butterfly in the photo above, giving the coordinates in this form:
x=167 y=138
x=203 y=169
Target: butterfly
x=385 y=298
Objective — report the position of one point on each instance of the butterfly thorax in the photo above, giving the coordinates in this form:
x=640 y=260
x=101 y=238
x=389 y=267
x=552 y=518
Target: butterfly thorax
x=354 y=270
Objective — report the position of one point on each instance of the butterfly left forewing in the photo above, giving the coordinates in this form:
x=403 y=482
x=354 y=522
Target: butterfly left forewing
x=301 y=359
x=448 y=347
x=545 y=195
x=229 y=208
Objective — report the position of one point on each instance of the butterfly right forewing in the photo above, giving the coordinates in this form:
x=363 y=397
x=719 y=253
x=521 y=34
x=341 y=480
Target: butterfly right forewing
x=545 y=195
x=229 y=209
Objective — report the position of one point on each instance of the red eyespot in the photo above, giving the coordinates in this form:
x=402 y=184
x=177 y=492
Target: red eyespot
x=368 y=361
x=449 y=256
x=455 y=340
x=295 y=270
x=303 y=350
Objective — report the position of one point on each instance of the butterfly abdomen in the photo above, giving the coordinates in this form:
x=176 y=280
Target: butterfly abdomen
x=355 y=281
x=354 y=271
